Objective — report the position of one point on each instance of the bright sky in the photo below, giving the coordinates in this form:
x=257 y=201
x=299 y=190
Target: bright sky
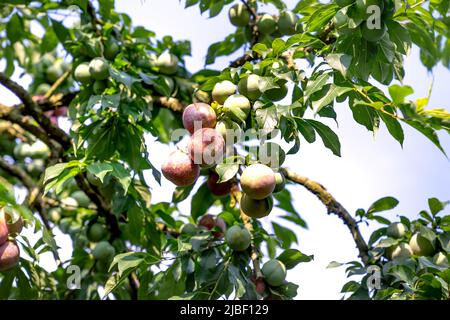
x=370 y=167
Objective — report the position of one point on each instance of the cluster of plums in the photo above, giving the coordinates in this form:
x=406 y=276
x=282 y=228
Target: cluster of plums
x=31 y=157
x=95 y=73
x=361 y=10
x=287 y=23
x=10 y=227
x=238 y=238
x=418 y=245
x=50 y=69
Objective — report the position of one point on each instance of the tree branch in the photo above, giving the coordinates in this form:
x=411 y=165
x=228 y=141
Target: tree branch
x=333 y=206
x=33 y=109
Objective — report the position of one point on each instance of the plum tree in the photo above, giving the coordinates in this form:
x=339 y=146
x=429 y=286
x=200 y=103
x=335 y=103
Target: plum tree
x=274 y=272
x=198 y=115
x=256 y=208
x=206 y=147
x=396 y=230
x=222 y=90
x=95 y=175
x=9 y=255
x=167 y=63
x=249 y=87
x=239 y=15
x=179 y=169
x=287 y=22
x=420 y=245
x=258 y=181
x=237 y=107
x=238 y=238
x=219 y=189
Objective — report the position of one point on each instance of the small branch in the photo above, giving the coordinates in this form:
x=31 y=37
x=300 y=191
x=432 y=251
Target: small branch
x=254 y=255
x=33 y=109
x=56 y=85
x=169 y=103
x=333 y=206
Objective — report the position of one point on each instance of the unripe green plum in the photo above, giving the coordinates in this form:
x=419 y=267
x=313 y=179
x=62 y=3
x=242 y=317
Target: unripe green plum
x=81 y=198
x=103 y=251
x=64 y=224
x=280 y=182
x=222 y=90
x=36 y=167
x=373 y=35
x=420 y=245
x=258 y=181
x=9 y=255
x=69 y=206
x=206 y=147
x=82 y=73
x=54 y=72
x=237 y=107
x=440 y=259
x=99 y=86
x=249 y=87
x=42 y=89
x=256 y=208
x=168 y=81
x=401 y=250
x=167 y=63
x=287 y=22
x=179 y=169
x=239 y=15
x=229 y=130
x=396 y=230
x=198 y=115
x=266 y=24
x=38 y=150
x=54 y=214
x=189 y=229
x=340 y=19
x=99 y=68
x=274 y=272
x=96 y=232
x=111 y=49
x=238 y=238
x=276 y=94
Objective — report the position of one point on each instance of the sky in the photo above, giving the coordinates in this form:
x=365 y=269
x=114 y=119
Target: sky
x=370 y=167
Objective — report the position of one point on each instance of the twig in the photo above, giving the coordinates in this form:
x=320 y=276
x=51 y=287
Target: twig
x=333 y=206
x=56 y=85
x=33 y=109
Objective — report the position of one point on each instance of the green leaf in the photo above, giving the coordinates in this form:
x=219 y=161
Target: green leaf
x=122 y=175
x=334 y=264
x=315 y=84
x=292 y=257
x=329 y=138
x=383 y=204
x=181 y=193
x=333 y=91
x=100 y=169
x=399 y=93
x=201 y=202
x=394 y=127
x=285 y=235
x=340 y=62
x=49 y=42
x=15 y=28
x=435 y=205
x=226 y=171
